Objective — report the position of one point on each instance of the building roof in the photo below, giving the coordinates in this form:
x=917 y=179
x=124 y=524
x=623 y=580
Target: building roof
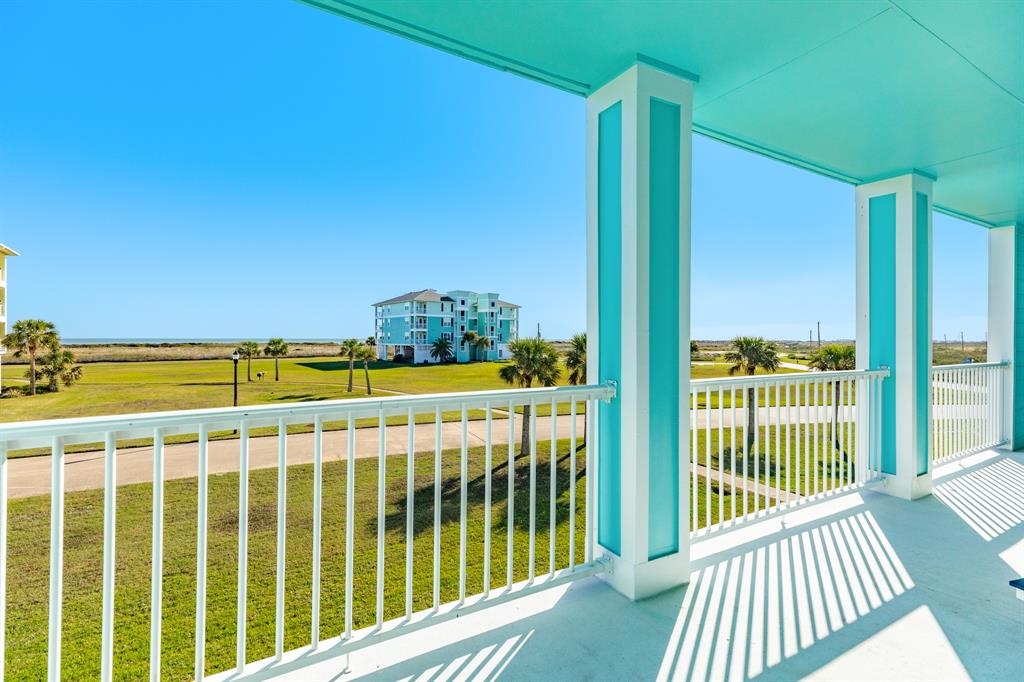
x=855 y=90
x=506 y=304
x=8 y=251
x=424 y=295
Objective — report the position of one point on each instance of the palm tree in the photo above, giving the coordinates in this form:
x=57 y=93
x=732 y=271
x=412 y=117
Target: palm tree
x=366 y=355
x=576 y=363
x=28 y=337
x=482 y=345
x=834 y=357
x=59 y=366
x=532 y=360
x=749 y=354
x=441 y=349
x=470 y=338
x=276 y=348
x=371 y=341
x=349 y=348
x=248 y=350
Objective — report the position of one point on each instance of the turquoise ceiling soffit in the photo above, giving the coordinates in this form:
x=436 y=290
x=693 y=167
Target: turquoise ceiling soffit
x=853 y=90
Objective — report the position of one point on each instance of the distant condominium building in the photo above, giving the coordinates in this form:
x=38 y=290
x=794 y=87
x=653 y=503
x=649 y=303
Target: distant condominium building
x=406 y=326
x=4 y=253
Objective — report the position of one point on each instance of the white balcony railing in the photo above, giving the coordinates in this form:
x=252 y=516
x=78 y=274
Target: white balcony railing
x=761 y=444
x=569 y=561
x=967 y=408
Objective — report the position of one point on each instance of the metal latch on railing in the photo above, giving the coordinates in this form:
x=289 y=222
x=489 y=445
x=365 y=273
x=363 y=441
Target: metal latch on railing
x=606 y=564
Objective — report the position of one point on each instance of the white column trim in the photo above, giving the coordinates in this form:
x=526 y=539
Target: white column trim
x=1002 y=268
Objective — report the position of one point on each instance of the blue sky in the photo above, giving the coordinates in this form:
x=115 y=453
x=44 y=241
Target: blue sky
x=207 y=170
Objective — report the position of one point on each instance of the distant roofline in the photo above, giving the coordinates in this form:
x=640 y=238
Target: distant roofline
x=434 y=295
x=8 y=251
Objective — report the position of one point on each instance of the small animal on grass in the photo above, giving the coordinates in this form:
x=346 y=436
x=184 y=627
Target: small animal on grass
x=260 y=376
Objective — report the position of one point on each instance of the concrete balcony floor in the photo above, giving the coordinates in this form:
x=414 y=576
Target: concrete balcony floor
x=864 y=586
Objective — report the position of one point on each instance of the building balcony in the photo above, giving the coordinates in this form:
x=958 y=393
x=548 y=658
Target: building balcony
x=800 y=562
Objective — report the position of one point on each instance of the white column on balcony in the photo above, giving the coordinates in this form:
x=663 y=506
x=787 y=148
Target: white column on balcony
x=638 y=322
x=1006 y=324
x=894 y=321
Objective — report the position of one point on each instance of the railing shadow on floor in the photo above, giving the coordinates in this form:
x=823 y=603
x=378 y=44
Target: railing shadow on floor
x=827 y=588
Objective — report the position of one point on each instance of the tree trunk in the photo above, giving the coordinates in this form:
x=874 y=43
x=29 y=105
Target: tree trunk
x=524 y=443
x=276 y=373
x=585 y=410
x=351 y=369
x=32 y=373
x=835 y=424
x=248 y=368
x=366 y=371
x=53 y=385
x=751 y=416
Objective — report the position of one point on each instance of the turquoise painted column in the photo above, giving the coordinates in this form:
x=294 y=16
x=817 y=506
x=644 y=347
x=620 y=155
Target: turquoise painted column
x=894 y=323
x=638 y=328
x=1006 y=324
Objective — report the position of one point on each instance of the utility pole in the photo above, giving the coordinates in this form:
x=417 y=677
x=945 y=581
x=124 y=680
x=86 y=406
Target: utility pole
x=961 y=342
x=538 y=331
x=945 y=341
x=819 y=333
x=810 y=339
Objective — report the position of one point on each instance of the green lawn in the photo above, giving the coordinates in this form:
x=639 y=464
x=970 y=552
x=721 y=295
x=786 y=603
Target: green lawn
x=28 y=558
x=127 y=387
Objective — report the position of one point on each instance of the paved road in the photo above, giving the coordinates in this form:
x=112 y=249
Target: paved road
x=84 y=471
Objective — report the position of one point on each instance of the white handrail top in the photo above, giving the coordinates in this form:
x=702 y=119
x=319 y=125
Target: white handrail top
x=795 y=377
x=971 y=365
x=16 y=435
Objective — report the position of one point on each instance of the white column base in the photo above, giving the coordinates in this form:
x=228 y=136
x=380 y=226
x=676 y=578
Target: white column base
x=907 y=488
x=640 y=581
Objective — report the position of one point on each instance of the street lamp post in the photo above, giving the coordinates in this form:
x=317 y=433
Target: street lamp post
x=235 y=357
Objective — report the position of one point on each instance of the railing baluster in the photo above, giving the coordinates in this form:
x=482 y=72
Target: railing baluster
x=56 y=557
x=488 y=465
x=732 y=454
x=318 y=484
x=350 y=518
x=756 y=449
x=410 y=506
x=789 y=454
x=694 y=491
x=707 y=458
x=572 y=484
x=721 y=451
x=382 y=427
x=511 y=468
x=593 y=419
x=282 y=519
x=437 y=507
x=243 y=543
x=533 y=488
x=552 y=494
x=463 y=479
x=777 y=425
x=816 y=417
x=157 y=583
x=109 y=555
x=199 y=668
